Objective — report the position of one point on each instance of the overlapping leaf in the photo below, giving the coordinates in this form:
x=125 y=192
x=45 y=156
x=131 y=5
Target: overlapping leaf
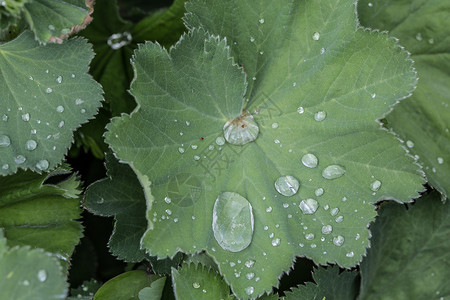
x=46 y=95
x=423 y=27
x=316 y=85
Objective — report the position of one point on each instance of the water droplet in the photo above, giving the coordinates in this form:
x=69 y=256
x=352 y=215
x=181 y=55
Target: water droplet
x=334 y=211
x=250 y=276
x=168 y=211
x=338 y=240
x=322 y=51
x=327 y=229
x=287 y=185
x=196 y=285
x=4 y=118
x=167 y=200
x=220 y=141
x=249 y=263
x=241 y=130
x=309 y=206
x=42 y=275
x=118 y=40
x=42 y=165
x=181 y=150
x=30 y=145
x=440 y=160
x=61 y=124
x=339 y=219
x=26 y=117
x=26 y=283
x=269 y=209
x=431 y=41
x=73 y=75
x=19 y=159
x=60 y=108
x=249 y=290
x=300 y=110
x=350 y=254
x=196 y=157
x=419 y=36
x=48 y=90
x=232 y=221
x=370 y=4
x=276 y=242
x=5 y=167
x=320 y=116
x=333 y=172
x=194 y=147
x=309 y=236
x=79 y=101
x=5 y=141
x=261 y=21
x=316 y=36
x=294 y=84
x=310 y=160
x=410 y=144
x=375 y=186
x=59 y=79
x=319 y=192
x=274 y=125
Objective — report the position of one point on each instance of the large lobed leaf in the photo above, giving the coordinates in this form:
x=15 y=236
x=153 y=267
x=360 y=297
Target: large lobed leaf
x=317 y=84
x=423 y=27
x=46 y=95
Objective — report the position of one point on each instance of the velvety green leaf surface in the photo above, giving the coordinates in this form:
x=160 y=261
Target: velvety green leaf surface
x=423 y=27
x=125 y=286
x=29 y=274
x=53 y=20
x=154 y=292
x=164 y=266
x=46 y=95
x=316 y=86
x=197 y=282
x=329 y=285
x=41 y=215
x=409 y=256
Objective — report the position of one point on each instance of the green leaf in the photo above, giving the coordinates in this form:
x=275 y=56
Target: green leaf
x=40 y=214
x=329 y=285
x=196 y=282
x=46 y=95
x=54 y=20
x=164 y=266
x=424 y=121
x=174 y=140
x=409 y=256
x=86 y=290
x=29 y=274
x=125 y=286
x=154 y=292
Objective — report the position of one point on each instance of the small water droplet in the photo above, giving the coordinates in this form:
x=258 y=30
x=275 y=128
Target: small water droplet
x=319 y=192
x=320 y=116
x=333 y=172
x=73 y=75
x=5 y=167
x=82 y=110
x=375 y=186
x=118 y=40
x=5 y=141
x=5 y=118
x=250 y=276
x=168 y=211
x=275 y=125
x=78 y=101
x=370 y=4
x=249 y=290
x=419 y=36
x=269 y=209
x=181 y=150
x=276 y=242
x=42 y=165
x=350 y=254
x=440 y=160
x=316 y=36
x=59 y=79
x=310 y=160
x=48 y=90
x=327 y=229
x=410 y=144
x=19 y=159
x=322 y=50
x=300 y=110
x=249 y=263
x=61 y=124
x=194 y=147
x=287 y=185
x=30 y=145
x=309 y=206
x=196 y=285
x=167 y=200
x=220 y=141
x=241 y=130
x=334 y=211
x=373 y=95
x=338 y=240
x=232 y=221
x=252 y=39
x=196 y=157
x=42 y=275
x=60 y=108
x=309 y=236
x=26 y=117
x=339 y=219
x=261 y=21
x=26 y=283
x=431 y=41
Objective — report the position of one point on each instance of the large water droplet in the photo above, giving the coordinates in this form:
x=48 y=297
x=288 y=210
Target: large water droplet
x=232 y=221
x=310 y=160
x=333 y=172
x=42 y=165
x=30 y=145
x=375 y=186
x=338 y=240
x=287 y=185
x=327 y=229
x=320 y=116
x=241 y=130
x=316 y=36
x=309 y=206
x=42 y=275
x=118 y=40
x=19 y=159
x=5 y=141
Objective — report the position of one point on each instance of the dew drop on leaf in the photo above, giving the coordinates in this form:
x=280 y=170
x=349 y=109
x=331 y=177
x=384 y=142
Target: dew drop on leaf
x=220 y=141
x=410 y=144
x=196 y=285
x=19 y=159
x=250 y=275
x=79 y=101
x=60 y=108
x=319 y=192
x=274 y=125
x=327 y=229
x=48 y=90
x=287 y=185
x=5 y=141
x=334 y=211
x=375 y=186
x=249 y=290
x=309 y=236
x=5 y=118
x=440 y=160
x=309 y=206
x=30 y=145
x=59 y=79
x=300 y=110
x=232 y=221
x=241 y=130
x=118 y=40
x=350 y=254
x=339 y=219
x=181 y=150
x=42 y=165
x=338 y=240
x=5 y=167
x=276 y=242
x=42 y=275
x=316 y=36
x=333 y=172
x=320 y=116
x=310 y=160
x=26 y=117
